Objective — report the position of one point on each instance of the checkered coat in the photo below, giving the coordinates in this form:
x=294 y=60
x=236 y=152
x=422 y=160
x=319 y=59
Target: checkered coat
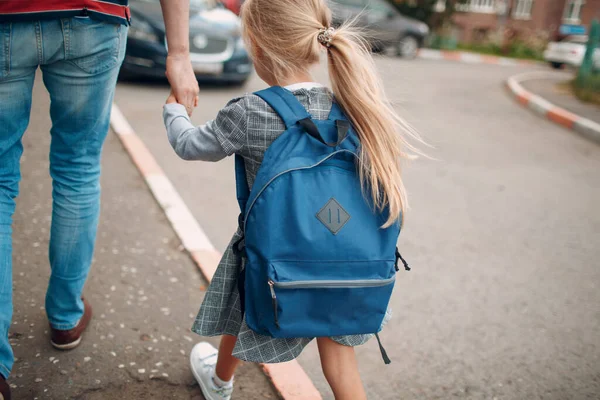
x=247 y=126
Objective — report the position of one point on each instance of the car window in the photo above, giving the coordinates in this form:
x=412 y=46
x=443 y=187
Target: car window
x=352 y=3
x=378 y=11
x=381 y=6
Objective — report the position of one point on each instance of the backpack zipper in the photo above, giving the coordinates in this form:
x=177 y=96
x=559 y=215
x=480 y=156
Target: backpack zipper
x=321 y=284
x=274 y=302
x=285 y=172
x=331 y=284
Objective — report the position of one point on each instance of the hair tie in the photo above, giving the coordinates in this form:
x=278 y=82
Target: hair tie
x=326 y=36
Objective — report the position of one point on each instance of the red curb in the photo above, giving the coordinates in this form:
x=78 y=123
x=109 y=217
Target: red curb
x=524 y=98
x=290 y=378
x=567 y=119
x=490 y=59
x=452 y=55
x=207 y=261
x=140 y=155
x=562 y=117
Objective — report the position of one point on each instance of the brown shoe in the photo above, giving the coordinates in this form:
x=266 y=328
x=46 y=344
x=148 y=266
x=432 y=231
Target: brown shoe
x=4 y=389
x=67 y=340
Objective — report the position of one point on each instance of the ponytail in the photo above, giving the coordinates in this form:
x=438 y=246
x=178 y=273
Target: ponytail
x=291 y=34
x=359 y=91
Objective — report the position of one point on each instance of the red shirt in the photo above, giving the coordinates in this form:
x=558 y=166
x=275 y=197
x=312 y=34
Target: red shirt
x=233 y=5
x=33 y=10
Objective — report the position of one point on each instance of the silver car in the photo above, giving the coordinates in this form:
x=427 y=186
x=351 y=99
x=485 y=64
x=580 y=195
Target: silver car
x=384 y=25
x=569 y=51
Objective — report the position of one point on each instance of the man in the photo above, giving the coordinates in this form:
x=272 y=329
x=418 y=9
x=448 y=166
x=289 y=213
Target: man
x=79 y=46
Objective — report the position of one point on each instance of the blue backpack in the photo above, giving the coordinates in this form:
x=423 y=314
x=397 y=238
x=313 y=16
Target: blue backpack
x=317 y=262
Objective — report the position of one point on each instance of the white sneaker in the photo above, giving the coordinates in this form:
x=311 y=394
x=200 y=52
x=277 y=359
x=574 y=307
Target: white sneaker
x=203 y=360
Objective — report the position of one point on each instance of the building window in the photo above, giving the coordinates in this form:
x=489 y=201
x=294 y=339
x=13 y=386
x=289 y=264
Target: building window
x=478 y=6
x=522 y=9
x=573 y=11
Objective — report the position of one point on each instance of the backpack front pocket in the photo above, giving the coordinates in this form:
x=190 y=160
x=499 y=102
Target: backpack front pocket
x=317 y=299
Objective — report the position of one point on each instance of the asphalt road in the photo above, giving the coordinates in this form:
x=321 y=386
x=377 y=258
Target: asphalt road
x=503 y=233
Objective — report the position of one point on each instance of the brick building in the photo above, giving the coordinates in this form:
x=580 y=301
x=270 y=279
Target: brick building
x=477 y=19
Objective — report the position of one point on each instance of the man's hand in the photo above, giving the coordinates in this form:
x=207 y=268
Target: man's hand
x=180 y=74
x=183 y=81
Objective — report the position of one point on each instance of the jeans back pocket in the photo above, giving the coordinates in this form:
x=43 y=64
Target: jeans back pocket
x=95 y=46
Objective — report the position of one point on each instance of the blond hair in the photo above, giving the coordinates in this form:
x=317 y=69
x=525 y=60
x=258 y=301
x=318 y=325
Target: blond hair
x=286 y=33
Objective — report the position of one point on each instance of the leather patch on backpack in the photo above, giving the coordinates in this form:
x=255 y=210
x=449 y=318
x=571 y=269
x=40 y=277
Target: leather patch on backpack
x=333 y=216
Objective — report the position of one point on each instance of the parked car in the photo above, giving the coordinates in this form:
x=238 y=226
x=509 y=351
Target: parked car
x=569 y=51
x=384 y=25
x=216 y=47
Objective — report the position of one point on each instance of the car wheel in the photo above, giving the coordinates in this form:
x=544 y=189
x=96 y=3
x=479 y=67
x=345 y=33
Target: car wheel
x=556 y=65
x=408 y=47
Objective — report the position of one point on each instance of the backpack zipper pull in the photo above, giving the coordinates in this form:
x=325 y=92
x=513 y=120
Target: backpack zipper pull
x=399 y=257
x=384 y=355
x=274 y=301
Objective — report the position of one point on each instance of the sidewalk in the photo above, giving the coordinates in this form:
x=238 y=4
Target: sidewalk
x=557 y=92
x=472 y=58
x=145 y=292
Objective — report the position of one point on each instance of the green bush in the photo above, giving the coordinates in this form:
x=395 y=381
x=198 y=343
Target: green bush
x=516 y=49
x=484 y=48
x=443 y=42
x=520 y=49
x=589 y=90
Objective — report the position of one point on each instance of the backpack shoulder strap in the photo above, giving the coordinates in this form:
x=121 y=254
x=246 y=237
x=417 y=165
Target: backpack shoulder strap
x=285 y=104
x=336 y=112
x=241 y=183
x=292 y=112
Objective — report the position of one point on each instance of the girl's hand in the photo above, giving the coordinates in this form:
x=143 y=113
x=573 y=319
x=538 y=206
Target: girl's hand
x=171 y=98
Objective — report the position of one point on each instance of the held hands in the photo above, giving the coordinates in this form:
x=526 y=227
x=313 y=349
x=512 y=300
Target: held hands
x=171 y=98
x=184 y=86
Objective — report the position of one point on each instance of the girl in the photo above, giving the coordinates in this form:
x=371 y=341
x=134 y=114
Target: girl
x=286 y=38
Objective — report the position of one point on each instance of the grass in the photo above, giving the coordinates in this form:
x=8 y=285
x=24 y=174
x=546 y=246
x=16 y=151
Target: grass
x=514 y=50
x=589 y=91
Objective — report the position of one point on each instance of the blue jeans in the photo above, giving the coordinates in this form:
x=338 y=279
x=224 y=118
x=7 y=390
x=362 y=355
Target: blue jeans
x=80 y=60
